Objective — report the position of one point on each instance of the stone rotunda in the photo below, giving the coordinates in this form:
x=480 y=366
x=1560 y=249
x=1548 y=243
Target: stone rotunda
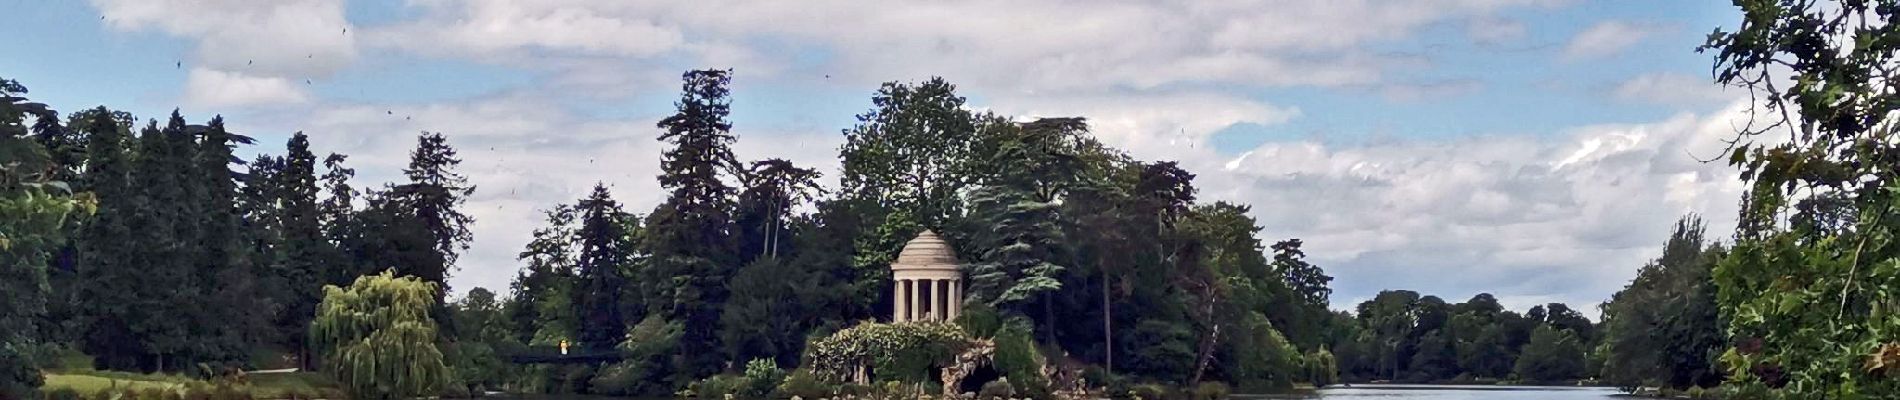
x=927 y=284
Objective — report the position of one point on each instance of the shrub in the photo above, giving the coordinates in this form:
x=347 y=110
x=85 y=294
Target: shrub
x=896 y=352
x=997 y=389
x=761 y=376
x=1018 y=359
x=979 y=320
x=718 y=386
x=62 y=394
x=804 y=384
x=1211 y=391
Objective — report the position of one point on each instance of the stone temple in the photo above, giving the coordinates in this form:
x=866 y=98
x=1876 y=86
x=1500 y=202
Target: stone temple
x=927 y=284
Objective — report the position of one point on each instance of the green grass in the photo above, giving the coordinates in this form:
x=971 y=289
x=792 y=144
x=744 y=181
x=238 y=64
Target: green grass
x=89 y=382
x=261 y=385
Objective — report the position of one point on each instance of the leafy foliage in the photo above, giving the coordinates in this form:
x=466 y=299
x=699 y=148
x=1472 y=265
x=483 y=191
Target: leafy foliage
x=378 y=338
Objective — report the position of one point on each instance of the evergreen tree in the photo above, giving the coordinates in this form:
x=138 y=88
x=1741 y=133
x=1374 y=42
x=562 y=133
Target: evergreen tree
x=605 y=254
x=106 y=246
x=539 y=305
x=688 y=236
x=434 y=195
x=224 y=270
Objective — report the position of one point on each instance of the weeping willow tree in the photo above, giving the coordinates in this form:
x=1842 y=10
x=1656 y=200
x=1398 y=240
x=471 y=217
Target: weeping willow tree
x=377 y=338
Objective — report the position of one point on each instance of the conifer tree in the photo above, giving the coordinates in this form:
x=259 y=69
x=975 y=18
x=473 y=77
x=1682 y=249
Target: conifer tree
x=688 y=236
x=605 y=252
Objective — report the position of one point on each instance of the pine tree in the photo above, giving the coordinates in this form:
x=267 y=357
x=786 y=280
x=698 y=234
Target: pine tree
x=337 y=215
x=605 y=252
x=434 y=194
x=160 y=326
x=106 y=246
x=688 y=237
x=224 y=270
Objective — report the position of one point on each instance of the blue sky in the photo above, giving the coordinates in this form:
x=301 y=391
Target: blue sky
x=1534 y=149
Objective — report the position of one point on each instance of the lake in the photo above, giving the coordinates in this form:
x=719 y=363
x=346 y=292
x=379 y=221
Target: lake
x=1450 y=392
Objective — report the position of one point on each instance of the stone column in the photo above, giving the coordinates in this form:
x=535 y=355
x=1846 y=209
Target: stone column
x=898 y=311
x=916 y=300
x=956 y=298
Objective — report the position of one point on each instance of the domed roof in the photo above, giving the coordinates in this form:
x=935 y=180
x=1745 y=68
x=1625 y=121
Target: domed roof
x=925 y=252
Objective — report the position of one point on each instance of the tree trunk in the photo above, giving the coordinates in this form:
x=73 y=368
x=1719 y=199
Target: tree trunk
x=1207 y=354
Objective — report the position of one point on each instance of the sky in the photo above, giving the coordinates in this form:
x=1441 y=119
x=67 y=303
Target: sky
x=1536 y=150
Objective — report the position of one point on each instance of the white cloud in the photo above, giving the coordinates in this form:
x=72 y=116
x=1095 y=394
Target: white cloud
x=293 y=39
x=1607 y=38
x=213 y=88
x=1034 y=45
x=1674 y=89
x=1529 y=218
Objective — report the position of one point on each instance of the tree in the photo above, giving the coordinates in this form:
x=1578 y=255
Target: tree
x=161 y=231
x=540 y=303
x=434 y=195
x=1805 y=301
x=1663 y=329
x=605 y=254
x=1552 y=355
x=766 y=208
x=33 y=220
x=907 y=154
x=688 y=236
x=224 y=268
x=297 y=259
x=378 y=339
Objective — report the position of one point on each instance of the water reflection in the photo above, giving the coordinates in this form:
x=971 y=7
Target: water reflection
x=1451 y=392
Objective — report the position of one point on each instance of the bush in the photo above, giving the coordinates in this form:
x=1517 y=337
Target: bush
x=718 y=386
x=1211 y=391
x=979 y=320
x=896 y=352
x=997 y=389
x=1018 y=359
x=804 y=384
x=62 y=394
x=761 y=377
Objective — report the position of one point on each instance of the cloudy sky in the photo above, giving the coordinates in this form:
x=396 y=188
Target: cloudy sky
x=1536 y=150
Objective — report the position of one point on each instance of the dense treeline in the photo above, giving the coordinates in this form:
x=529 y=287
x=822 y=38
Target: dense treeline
x=1109 y=259
x=195 y=261
x=151 y=247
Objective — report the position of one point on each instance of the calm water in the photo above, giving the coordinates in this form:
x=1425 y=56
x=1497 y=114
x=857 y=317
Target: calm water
x=1443 y=392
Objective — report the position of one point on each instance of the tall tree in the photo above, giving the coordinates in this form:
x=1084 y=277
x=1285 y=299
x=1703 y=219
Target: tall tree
x=106 y=245
x=1663 y=329
x=539 y=307
x=435 y=193
x=33 y=212
x=773 y=189
x=688 y=236
x=161 y=232
x=301 y=267
x=605 y=257
x=224 y=269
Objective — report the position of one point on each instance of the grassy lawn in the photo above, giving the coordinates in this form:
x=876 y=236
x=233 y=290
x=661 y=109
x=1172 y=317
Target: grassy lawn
x=75 y=372
x=261 y=385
